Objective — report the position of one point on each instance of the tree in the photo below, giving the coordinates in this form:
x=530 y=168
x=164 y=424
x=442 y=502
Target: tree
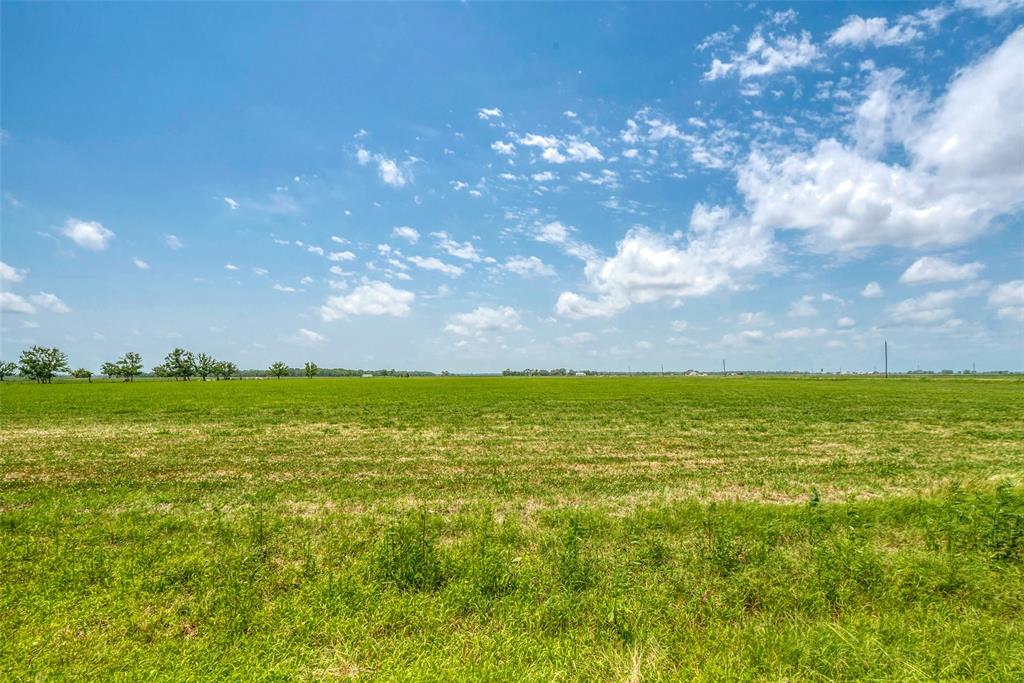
x=311 y=369
x=161 y=371
x=42 y=363
x=111 y=370
x=130 y=366
x=225 y=369
x=180 y=363
x=82 y=373
x=205 y=365
x=7 y=368
x=279 y=369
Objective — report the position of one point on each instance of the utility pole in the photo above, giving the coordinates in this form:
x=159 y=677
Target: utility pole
x=886 y=347
x=723 y=367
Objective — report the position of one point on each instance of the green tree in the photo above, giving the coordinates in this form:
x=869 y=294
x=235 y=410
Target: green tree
x=42 y=363
x=111 y=370
x=205 y=365
x=82 y=373
x=278 y=369
x=161 y=371
x=226 y=369
x=7 y=368
x=180 y=363
x=130 y=366
x=311 y=369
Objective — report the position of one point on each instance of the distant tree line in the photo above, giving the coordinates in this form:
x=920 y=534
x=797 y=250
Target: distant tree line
x=42 y=364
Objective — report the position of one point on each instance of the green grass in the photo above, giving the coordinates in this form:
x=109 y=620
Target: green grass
x=513 y=529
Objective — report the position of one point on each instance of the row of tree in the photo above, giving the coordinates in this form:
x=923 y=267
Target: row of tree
x=42 y=364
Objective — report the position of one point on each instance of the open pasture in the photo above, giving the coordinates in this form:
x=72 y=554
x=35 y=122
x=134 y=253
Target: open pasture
x=513 y=529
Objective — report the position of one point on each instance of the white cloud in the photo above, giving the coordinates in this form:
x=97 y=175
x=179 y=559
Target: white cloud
x=528 y=266
x=504 y=148
x=679 y=325
x=307 y=280
x=230 y=266
x=232 y=204
x=935 y=269
x=11 y=274
x=341 y=256
x=932 y=308
x=553 y=233
x=801 y=333
x=966 y=167
x=1008 y=300
x=173 y=242
x=803 y=307
x=576 y=339
x=718 y=250
x=857 y=31
x=304 y=337
x=12 y=303
x=487 y=114
x=260 y=271
x=744 y=338
x=390 y=171
x=845 y=323
x=484 y=319
x=50 y=302
x=462 y=250
x=991 y=8
x=766 y=56
x=282 y=288
x=139 y=263
x=87 y=234
x=410 y=235
x=432 y=263
x=373 y=297
x=872 y=290
x=544 y=177
x=313 y=249
x=558 y=151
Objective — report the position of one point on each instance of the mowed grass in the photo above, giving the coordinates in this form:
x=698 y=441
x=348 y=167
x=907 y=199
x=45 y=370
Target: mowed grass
x=513 y=529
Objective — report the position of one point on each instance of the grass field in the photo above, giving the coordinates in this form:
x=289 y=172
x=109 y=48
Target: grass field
x=563 y=529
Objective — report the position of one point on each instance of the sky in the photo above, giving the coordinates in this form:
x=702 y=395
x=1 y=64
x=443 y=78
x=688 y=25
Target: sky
x=479 y=186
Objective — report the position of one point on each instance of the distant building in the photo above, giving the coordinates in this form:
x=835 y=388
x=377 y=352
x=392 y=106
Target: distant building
x=367 y=374
x=581 y=374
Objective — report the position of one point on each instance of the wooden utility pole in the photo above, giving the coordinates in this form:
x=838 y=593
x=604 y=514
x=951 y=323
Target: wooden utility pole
x=886 y=347
x=723 y=367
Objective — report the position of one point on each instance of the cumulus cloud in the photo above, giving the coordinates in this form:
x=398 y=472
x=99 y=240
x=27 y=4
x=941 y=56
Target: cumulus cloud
x=935 y=269
x=528 y=266
x=1008 y=300
x=87 y=234
x=173 y=242
x=341 y=256
x=50 y=302
x=232 y=204
x=560 y=151
x=389 y=170
x=462 y=250
x=432 y=263
x=13 y=303
x=872 y=290
x=283 y=288
x=504 y=148
x=304 y=337
x=803 y=307
x=410 y=235
x=484 y=319
x=966 y=167
x=487 y=114
x=932 y=308
x=857 y=31
x=576 y=339
x=765 y=56
x=372 y=297
x=139 y=263
x=717 y=252
x=845 y=323
x=230 y=266
x=11 y=274
x=991 y=8
x=801 y=333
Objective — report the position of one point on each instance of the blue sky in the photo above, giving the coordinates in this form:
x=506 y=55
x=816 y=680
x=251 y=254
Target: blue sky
x=479 y=186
